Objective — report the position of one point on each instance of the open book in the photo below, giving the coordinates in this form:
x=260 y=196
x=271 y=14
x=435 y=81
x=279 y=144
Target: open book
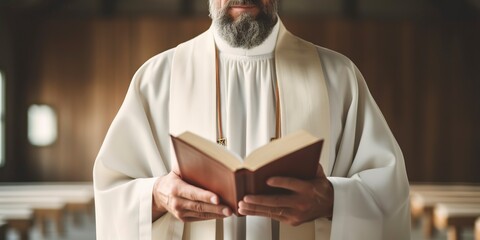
x=207 y=165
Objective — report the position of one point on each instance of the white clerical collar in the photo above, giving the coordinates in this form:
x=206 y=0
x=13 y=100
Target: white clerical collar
x=267 y=47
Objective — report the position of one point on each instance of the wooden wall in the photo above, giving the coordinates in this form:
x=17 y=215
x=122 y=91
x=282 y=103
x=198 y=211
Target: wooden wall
x=423 y=75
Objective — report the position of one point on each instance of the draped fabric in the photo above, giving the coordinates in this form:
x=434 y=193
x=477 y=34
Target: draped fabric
x=249 y=108
x=297 y=69
x=366 y=166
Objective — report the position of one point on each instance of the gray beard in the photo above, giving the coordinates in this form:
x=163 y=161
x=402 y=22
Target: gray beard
x=247 y=31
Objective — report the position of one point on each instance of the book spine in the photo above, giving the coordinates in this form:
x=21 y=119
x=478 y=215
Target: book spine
x=240 y=185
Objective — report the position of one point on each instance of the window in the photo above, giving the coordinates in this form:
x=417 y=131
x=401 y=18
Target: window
x=42 y=125
x=2 y=119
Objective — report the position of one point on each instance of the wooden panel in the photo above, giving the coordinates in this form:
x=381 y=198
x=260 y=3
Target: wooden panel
x=111 y=70
x=64 y=54
x=423 y=76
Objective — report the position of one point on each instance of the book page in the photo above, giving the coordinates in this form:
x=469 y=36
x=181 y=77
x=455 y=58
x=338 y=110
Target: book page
x=278 y=148
x=221 y=154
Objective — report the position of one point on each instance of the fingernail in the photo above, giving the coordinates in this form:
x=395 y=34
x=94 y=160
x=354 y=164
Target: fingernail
x=246 y=199
x=226 y=212
x=214 y=200
x=270 y=181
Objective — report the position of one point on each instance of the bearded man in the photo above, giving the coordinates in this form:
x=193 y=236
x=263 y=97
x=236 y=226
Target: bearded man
x=243 y=82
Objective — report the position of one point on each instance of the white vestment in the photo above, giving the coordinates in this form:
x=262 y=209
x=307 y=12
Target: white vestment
x=366 y=166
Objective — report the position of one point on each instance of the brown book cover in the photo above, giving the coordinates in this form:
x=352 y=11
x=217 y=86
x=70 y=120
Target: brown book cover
x=210 y=166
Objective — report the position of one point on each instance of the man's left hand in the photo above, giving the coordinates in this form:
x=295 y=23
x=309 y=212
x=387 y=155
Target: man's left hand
x=309 y=200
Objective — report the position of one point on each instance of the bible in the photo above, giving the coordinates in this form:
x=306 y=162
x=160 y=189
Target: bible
x=207 y=165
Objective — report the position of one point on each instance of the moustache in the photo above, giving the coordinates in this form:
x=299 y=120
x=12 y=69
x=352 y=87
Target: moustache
x=244 y=2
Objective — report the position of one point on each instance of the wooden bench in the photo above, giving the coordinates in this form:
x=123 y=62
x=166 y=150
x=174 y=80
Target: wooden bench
x=423 y=199
x=71 y=191
x=50 y=199
x=19 y=219
x=454 y=217
x=77 y=195
x=443 y=187
x=44 y=208
x=425 y=203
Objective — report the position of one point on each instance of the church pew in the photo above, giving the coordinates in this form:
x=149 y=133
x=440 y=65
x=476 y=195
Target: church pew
x=444 y=189
x=43 y=208
x=424 y=197
x=77 y=195
x=454 y=217
x=425 y=201
x=424 y=206
x=416 y=187
x=73 y=191
x=19 y=219
x=477 y=229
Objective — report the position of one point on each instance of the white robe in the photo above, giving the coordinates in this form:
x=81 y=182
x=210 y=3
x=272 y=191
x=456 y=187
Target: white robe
x=366 y=165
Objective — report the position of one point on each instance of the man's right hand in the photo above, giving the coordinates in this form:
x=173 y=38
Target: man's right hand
x=186 y=202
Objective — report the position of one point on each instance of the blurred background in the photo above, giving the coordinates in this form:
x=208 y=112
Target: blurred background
x=65 y=66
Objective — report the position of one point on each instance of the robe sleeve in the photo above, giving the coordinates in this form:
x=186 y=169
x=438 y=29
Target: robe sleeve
x=134 y=153
x=368 y=175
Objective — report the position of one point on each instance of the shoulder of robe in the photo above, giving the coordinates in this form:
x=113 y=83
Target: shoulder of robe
x=157 y=62
x=334 y=59
x=341 y=74
x=154 y=70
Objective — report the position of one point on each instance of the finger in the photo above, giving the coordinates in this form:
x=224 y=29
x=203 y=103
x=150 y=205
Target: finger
x=253 y=210
x=179 y=207
x=292 y=184
x=261 y=214
x=207 y=208
x=193 y=193
x=271 y=200
x=194 y=217
x=201 y=216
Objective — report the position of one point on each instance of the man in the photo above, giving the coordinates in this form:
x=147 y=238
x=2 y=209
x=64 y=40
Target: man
x=241 y=83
